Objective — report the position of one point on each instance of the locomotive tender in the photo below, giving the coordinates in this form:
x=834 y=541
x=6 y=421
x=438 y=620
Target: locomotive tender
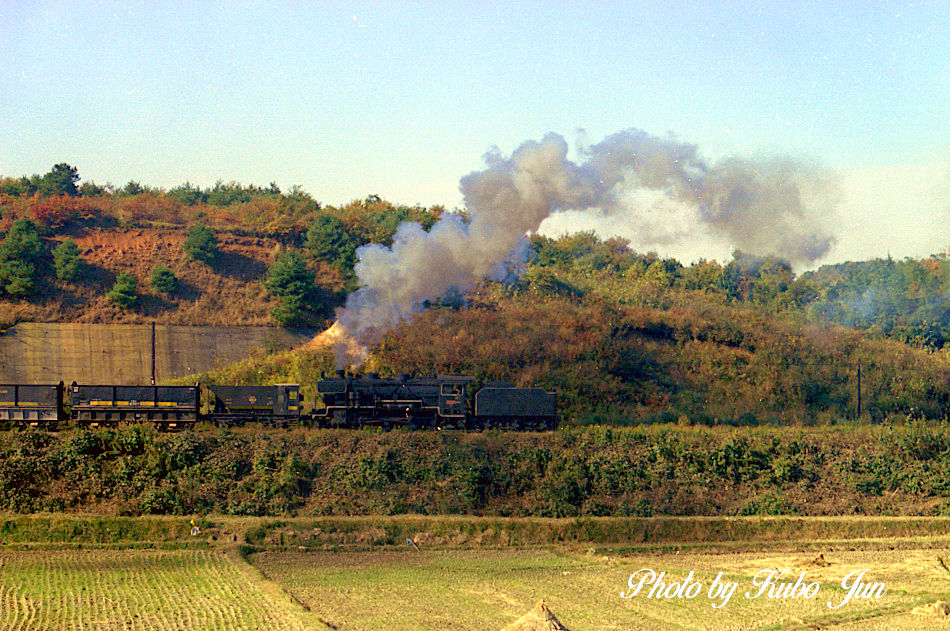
x=349 y=401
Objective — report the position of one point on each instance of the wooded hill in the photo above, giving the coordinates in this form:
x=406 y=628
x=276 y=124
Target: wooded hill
x=624 y=337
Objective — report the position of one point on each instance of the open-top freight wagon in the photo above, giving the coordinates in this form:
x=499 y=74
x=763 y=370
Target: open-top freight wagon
x=167 y=407
x=32 y=405
x=277 y=405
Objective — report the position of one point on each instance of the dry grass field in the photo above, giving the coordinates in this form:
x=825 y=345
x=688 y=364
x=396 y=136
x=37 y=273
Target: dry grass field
x=474 y=590
x=61 y=572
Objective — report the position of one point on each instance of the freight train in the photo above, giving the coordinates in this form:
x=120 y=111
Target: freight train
x=349 y=401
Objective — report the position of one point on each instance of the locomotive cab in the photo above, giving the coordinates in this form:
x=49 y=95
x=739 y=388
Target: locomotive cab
x=453 y=400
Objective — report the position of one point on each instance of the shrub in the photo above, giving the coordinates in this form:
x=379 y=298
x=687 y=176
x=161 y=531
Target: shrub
x=124 y=292
x=201 y=244
x=66 y=260
x=56 y=212
x=164 y=280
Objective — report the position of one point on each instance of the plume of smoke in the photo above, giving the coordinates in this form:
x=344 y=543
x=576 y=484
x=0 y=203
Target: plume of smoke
x=775 y=206
x=766 y=207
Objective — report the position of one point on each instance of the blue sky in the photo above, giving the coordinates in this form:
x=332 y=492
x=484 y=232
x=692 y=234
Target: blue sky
x=403 y=99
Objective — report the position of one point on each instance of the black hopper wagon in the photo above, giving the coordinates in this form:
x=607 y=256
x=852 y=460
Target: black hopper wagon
x=277 y=405
x=24 y=405
x=167 y=407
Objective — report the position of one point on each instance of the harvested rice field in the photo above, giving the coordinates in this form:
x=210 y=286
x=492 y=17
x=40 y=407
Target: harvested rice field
x=413 y=590
x=148 y=574
x=139 y=590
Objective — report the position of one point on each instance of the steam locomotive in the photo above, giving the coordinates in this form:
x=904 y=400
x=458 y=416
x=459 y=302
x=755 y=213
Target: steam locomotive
x=349 y=401
x=442 y=402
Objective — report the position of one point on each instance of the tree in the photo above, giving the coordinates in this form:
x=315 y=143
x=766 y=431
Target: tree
x=132 y=188
x=187 y=194
x=164 y=280
x=124 y=292
x=57 y=211
x=201 y=244
x=227 y=194
x=330 y=241
x=66 y=260
x=22 y=256
x=290 y=280
x=91 y=189
x=61 y=180
x=289 y=276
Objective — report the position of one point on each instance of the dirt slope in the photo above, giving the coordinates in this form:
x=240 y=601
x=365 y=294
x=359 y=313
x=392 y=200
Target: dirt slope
x=228 y=292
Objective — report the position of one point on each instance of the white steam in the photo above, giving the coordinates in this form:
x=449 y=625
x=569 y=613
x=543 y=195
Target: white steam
x=765 y=207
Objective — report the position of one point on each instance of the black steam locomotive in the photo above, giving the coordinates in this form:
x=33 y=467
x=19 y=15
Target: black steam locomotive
x=349 y=401
x=443 y=402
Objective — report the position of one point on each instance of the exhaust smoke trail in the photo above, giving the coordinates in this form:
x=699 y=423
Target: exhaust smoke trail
x=764 y=207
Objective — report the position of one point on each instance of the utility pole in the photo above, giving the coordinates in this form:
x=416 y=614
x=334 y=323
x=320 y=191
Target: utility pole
x=859 y=388
x=153 y=357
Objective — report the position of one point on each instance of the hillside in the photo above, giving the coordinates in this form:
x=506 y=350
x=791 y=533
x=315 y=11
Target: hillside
x=624 y=337
x=226 y=292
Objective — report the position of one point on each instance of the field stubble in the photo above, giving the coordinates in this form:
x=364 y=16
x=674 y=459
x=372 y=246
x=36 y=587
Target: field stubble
x=148 y=574
x=138 y=590
x=423 y=590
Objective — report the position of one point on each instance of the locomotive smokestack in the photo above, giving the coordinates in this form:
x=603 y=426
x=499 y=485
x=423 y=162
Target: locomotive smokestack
x=760 y=206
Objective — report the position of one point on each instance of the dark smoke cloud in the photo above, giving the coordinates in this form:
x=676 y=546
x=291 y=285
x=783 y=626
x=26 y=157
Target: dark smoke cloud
x=765 y=207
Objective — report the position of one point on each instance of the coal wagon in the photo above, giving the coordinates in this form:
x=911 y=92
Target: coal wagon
x=277 y=405
x=31 y=405
x=167 y=407
x=504 y=406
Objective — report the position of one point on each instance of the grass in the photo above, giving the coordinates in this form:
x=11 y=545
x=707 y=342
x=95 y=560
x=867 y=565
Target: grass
x=150 y=574
x=415 y=590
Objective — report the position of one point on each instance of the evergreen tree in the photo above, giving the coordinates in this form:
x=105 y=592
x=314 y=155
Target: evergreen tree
x=22 y=256
x=124 y=291
x=61 y=180
x=290 y=280
x=201 y=244
x=66 y=260
x=164 y=280
x=329 y=240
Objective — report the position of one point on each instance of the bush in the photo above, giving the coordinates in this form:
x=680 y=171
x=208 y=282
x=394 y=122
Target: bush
x=124 y=292
x=56 y=212
x=66 y=260
x=164 y=280
x=201 y=244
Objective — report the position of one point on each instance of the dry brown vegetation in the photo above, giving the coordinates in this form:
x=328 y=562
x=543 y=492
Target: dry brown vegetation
x=228 y=292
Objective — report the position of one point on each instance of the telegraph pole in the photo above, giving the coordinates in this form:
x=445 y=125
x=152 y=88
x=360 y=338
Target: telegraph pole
x=859 y=388
x=153 y=357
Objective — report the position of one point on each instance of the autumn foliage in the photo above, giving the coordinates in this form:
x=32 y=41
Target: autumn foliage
x=55 y=213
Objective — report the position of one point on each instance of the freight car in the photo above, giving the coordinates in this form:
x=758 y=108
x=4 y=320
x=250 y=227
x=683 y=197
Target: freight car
x=441 y=402
x=277 y=405
x=32 y=405
x=168 y=407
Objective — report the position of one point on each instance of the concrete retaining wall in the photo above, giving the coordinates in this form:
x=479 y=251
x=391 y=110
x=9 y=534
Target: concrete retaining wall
x=122 y=354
